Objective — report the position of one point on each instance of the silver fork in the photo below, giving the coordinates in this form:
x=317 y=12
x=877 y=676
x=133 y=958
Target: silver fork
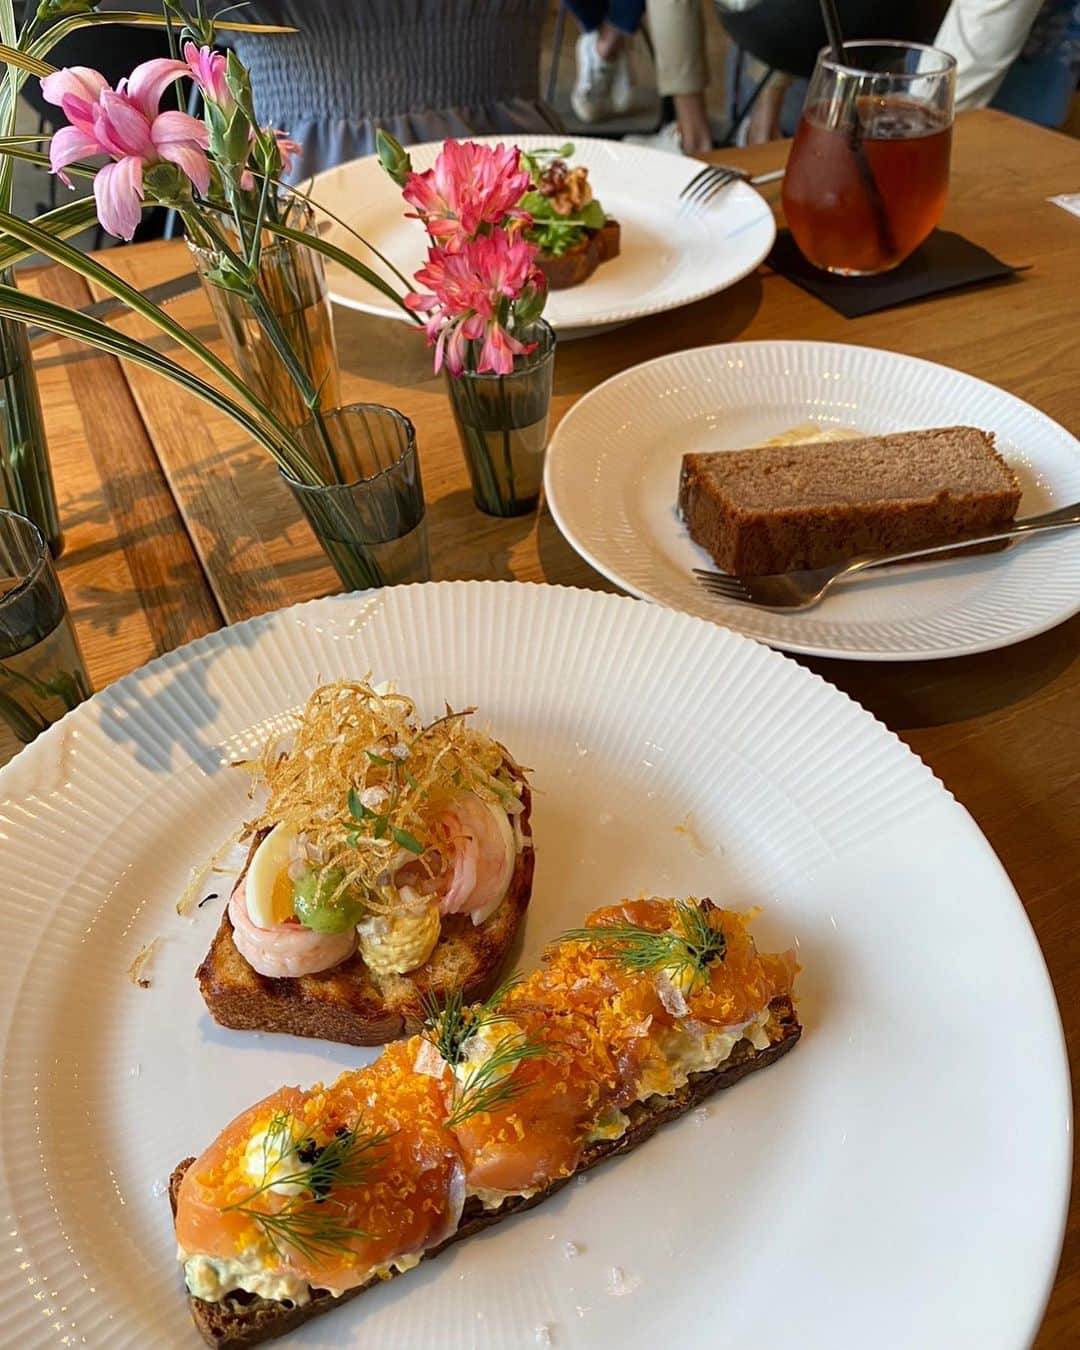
x=801 y=590
x=713 y=177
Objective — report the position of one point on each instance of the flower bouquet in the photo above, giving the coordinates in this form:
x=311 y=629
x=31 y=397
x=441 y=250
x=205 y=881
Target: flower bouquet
x=250 y=232
x=481 y=300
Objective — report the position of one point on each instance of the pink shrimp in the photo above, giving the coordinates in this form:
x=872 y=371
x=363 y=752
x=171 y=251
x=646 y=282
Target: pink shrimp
x=288 y=949
x=470 y=864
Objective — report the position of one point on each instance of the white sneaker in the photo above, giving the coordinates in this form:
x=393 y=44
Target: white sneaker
x=667 y=138
x=633 y=85
x=591 y=97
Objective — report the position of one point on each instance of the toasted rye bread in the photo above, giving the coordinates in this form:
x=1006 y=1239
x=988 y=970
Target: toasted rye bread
x=246 y=1319
x=351 y=1004
x=577 y=264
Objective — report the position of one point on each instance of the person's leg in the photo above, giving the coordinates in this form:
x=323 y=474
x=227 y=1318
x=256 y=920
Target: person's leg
x=682 y=71
x=1038 y=89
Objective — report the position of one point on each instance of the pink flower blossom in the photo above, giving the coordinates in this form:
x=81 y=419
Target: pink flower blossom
x=207 y=68
x=125 y=124
x=468 y=187
x=470 y=293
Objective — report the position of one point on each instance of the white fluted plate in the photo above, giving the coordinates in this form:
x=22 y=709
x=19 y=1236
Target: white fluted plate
x=612 y=479
x=669 y=256
x=904 y=1170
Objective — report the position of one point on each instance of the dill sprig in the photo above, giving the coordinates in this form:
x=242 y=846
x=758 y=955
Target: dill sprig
x=492 y=1083
x=311 y=1221
x=448 y=1025
x=684 y=951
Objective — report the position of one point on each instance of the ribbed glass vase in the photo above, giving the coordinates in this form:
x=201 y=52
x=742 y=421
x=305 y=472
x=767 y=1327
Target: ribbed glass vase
x=26 y=483
x=293 y=284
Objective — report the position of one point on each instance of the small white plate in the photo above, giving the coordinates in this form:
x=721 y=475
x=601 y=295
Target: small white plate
x=901 y=1178
x=669 y=256
x=612 y=477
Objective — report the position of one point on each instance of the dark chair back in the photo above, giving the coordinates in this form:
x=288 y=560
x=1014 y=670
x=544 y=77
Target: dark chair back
x=786 y=35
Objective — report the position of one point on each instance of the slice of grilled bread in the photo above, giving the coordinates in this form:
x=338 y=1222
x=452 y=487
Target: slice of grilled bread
x=349 y=1003
x=577 y=264
x=246 y=1319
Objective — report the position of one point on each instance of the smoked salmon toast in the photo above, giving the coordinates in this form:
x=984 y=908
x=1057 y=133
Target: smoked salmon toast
x=391 y=862
x=310 y=1197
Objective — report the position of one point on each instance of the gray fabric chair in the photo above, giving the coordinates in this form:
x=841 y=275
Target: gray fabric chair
x=422 y=69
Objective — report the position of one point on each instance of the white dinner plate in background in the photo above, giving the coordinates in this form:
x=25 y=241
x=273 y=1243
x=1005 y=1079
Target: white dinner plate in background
x=669 y=256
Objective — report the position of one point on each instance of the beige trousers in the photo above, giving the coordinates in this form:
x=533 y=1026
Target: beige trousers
x=678 y=34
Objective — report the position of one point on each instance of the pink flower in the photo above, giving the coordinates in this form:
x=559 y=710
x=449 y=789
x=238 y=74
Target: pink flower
x=469 y=186
x=470 y=293
x=125 y=124
x=207 y=68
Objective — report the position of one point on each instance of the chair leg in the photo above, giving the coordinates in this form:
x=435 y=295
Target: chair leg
x=556 y=51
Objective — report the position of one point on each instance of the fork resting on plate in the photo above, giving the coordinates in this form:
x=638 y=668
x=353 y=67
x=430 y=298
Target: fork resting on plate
x=802 y=589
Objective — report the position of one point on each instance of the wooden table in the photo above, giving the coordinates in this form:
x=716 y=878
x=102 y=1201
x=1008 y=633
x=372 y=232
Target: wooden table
x=177 y=524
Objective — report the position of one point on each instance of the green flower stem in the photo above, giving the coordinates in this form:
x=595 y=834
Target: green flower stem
x=14 y=304
x=93 y=271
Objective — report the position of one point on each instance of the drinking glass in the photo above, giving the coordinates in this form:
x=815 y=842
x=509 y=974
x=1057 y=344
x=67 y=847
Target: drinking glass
x=369 y=515
x=868 y=171
x=42 y=675
x=502 y=424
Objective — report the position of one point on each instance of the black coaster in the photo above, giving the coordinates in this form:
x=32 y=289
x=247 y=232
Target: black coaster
x=945 y=262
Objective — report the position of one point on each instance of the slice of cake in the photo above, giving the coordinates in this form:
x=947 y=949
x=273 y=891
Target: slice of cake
x=782 y=507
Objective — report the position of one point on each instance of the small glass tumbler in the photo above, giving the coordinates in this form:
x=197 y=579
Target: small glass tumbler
x=502 y=423
x=369 y=515
x=42 y=675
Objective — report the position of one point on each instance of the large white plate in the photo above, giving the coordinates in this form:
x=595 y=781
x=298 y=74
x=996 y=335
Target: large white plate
x=613 y=469
x=668 y=257
x=904 y=1170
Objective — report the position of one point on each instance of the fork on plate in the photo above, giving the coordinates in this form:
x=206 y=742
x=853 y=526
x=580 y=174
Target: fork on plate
x=802 y=589
x=713 y=177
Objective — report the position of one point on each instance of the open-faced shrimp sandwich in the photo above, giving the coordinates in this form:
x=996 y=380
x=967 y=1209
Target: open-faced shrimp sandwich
x=391 y=861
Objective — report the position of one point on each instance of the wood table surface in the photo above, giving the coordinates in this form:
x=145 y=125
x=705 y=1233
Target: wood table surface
x=176 y=523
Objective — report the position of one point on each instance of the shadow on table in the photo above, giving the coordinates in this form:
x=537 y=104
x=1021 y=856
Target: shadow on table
x=906 y=695
x=586 y=362
x=467 y=545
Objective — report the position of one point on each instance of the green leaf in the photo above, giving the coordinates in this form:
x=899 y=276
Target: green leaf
x=28 y=233
x=44 y=44
x=33 y=65
x=70 y=323
x=379 y=759
x=380 y=826
x=357 y=809
x=410 y=778
x=406 y=840
x=71 y=218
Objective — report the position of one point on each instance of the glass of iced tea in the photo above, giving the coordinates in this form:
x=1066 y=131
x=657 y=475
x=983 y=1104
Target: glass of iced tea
x=869 y=168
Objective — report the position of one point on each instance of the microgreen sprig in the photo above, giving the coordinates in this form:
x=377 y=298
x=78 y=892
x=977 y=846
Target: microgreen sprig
x=381 y=822
x=686 y=950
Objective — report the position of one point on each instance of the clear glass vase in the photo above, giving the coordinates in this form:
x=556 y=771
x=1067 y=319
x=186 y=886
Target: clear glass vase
x=42 y=675
x=293 y=284
x=26 y=483
x=371 y=520
x=502 y=423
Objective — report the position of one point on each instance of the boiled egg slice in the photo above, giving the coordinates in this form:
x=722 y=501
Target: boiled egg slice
x=268 y=887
